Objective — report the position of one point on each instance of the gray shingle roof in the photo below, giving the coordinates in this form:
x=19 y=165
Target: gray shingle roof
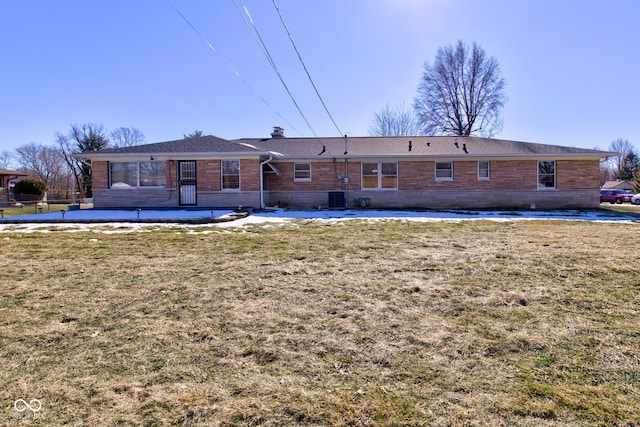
x=421 y=146
x=363 y=147
x=201 y=144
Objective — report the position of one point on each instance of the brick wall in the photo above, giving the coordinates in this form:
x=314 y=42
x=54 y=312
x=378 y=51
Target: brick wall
x=324 y=176
x=250 y=175
x=208 y=175
x=578 y=174
x=416 y=175
x=135 y=198
x=512 y=183
x=99 y=175
x=172 y=174
x=434 y=199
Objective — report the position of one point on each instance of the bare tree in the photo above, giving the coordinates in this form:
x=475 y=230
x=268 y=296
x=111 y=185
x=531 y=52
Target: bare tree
x=461 y=93
x=46 y=164
x=394 y=121
x=126 y=137
x=82 y=139
x=39 y=161
x=622 y=146
x=6 y=159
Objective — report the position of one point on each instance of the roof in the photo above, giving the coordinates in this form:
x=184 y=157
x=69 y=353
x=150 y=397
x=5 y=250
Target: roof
x=189 y=148
x=14 y=173
x=416 y=146
x=624 y=185
x=199 y=144
x=353 y=147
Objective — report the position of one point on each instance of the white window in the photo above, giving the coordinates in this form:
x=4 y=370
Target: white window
x=230 y=174
x=546 y=175
x=137 y=174
x=302 y=172
x=444 y=171
x=484 y=170
x=379 y=175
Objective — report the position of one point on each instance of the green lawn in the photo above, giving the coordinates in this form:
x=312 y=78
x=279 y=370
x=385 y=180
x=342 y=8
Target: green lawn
x=32 y=209
x=355 y=323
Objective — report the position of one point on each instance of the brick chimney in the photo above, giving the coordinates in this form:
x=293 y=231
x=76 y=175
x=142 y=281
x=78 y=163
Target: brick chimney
x=278 y=132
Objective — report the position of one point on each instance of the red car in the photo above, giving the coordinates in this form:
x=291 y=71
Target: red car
x=615 y=196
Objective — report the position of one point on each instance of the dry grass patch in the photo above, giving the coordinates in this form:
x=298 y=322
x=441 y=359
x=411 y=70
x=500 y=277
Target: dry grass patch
x=310 y=323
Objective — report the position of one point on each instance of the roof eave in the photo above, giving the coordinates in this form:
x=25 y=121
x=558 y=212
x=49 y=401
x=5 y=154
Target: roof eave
x=467 y=156
x=172 y=156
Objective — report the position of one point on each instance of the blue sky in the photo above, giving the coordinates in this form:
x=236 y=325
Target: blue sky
x=571 y=66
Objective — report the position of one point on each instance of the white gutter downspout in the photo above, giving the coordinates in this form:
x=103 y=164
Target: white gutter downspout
x=262 y=205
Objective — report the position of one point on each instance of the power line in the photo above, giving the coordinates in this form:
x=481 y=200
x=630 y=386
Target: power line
x=256 y=34
x=233 y=70
x=305 y=67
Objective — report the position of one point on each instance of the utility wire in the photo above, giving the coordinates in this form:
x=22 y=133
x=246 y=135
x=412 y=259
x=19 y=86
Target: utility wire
x=233 y=70
x=256 y=34
x=305 y=67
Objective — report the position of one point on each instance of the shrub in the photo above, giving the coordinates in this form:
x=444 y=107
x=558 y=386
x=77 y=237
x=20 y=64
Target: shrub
x=30 y=189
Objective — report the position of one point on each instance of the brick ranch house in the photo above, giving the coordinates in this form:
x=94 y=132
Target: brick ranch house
x=377 y=172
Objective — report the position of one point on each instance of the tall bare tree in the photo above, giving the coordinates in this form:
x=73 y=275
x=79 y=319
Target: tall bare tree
x=126 y=137
x=82 y=139
x=394 y=121
x=461 y=93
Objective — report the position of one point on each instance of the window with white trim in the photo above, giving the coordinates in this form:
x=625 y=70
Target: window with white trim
x=444 y=171
x=302 y=171
x=230 y=174
x=484 y=171
x=381 y=175
x=137 y=174
x=546 y=174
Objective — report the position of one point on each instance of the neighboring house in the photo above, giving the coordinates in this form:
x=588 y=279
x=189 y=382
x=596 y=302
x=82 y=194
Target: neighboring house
x=6 y=176
x=378 y=172
x=618 y=185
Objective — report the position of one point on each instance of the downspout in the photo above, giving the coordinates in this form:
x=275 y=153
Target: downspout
x=346 y=173
x=262 y=205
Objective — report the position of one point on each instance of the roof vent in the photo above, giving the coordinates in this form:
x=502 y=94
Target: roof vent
x=278 y=132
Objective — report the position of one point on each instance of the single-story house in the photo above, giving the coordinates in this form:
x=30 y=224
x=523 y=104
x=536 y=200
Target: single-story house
x=376 y=172
x=619 y=185
x=6 y=176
